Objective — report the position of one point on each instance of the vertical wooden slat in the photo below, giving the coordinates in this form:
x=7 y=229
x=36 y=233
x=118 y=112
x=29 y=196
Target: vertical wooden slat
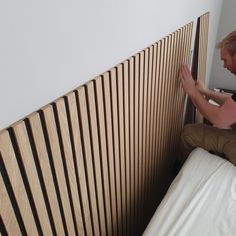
x=31 y=172
x=127 y=143
x=178 y=85
x=169 y=110
x=15 y=178
x=131 y=138
x=67 y=153
x=161 y=123
x=136 y=141
x=148 y=122
x=165 y=107
x=122 y=143
x=140 y=136
x=156 y=112
x=174 y=82
x=144 y=127
x=6 y=210
x=153 y=116
x=51 y=132
x=43 y=157
x=96 y=154
x=114 y=107
x=89 y=166
x=180 y=91
x=104 y=154
x=107 y=105
x=76 y=134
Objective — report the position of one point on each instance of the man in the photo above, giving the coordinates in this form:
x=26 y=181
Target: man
x=221 y=137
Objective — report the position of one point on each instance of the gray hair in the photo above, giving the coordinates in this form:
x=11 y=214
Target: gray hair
x=229 y=43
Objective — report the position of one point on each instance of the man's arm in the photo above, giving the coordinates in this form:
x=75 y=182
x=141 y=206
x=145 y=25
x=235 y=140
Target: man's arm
x=219 y=98
x=209 y=111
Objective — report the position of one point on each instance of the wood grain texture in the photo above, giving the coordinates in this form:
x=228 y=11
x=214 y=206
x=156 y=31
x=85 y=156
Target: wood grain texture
x=89 y=164
x=96 y=153
x=7 y=211
x=54 y=145
x=80 y=165
x=104 y=154
x=17 y=184
x=44 y=161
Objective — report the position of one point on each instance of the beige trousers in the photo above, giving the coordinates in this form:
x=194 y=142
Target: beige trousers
x=219 y=141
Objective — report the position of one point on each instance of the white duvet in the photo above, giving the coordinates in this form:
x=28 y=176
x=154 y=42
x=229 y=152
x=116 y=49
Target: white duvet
x=200 y=201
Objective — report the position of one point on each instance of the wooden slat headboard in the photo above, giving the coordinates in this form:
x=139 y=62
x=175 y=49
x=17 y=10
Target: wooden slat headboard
x=92 y=162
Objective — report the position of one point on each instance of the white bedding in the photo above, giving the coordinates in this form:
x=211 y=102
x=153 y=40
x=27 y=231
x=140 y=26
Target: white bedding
x=200 y=201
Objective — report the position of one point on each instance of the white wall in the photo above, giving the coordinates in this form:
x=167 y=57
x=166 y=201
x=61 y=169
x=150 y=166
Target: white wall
x=220 y=77
x=49 y=47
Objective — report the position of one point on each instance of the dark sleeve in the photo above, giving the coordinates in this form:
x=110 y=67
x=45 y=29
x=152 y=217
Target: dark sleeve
x=234 y=96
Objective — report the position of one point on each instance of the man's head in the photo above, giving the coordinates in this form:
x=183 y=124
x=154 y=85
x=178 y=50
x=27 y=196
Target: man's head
x=228 y=52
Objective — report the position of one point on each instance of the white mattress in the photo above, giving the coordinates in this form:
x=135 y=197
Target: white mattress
x=200 y=201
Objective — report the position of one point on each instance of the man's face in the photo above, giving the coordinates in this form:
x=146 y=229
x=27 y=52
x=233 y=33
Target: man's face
x=229 y=61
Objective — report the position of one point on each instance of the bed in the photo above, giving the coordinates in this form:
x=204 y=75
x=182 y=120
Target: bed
x=200 y=201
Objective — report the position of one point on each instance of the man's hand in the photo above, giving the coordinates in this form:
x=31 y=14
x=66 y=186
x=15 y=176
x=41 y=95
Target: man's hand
x=187 y=81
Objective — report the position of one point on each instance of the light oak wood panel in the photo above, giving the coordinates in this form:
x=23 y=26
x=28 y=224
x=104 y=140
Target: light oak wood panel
x=136 y=141
x=69 y=167
x=156 y=114
x=103 y=150
x=140 y=135
x=127 y=143
x=6 y=210
x=96 y=153
x=89 y=165
x=120 y=84
x=111 y=162
x=104 y=154
x=82 y=182
x=153 y=117
x=16 y=183
x=43 y=157
x=131 y=144
x=148 y=121
x=26 y=154
x=55 y=152
x=118 y=177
